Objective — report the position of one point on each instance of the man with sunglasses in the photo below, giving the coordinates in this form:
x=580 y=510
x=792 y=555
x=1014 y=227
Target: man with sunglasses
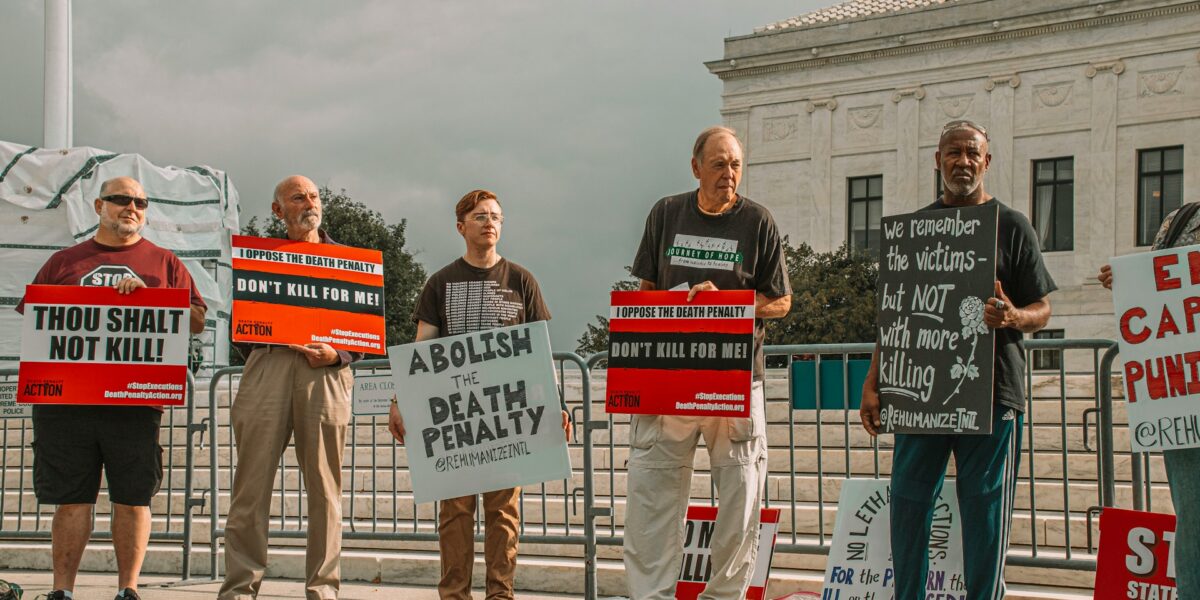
x=72 y=444
x=481 y=290
x=986 y=465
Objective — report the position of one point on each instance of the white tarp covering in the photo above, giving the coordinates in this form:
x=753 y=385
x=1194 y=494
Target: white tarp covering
x=46 y=204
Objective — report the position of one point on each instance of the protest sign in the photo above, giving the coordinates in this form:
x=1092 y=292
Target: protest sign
x=90 y=345
x=372 y=394
x=1156 y=297
x=860 y=557
x=481 y=411
x=697 y=552
x=1137 y=556
x=9 y=409
x=936 y=270
x=668 y=356
x=287 y=292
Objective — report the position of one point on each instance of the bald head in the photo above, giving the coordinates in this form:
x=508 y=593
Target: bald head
x=123 y=186
x=290 y=184
x=298 y=204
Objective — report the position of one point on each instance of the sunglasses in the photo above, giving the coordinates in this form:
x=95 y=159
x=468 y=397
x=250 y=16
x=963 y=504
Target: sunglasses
x=123 y=200
x=483 y=218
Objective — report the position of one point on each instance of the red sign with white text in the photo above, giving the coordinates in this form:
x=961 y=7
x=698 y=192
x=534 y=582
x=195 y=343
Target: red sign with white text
x=697 y=552
x=93 y=345
x=1136 y=558
x=287 y=292
x=668 y=356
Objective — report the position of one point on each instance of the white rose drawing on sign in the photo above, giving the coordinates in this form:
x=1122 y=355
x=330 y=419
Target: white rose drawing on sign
x=970 y=311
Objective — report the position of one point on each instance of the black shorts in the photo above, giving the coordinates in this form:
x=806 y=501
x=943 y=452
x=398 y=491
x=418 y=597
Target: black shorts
x=73 y=444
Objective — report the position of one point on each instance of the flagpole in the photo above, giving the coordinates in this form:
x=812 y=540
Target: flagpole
x=57 y=96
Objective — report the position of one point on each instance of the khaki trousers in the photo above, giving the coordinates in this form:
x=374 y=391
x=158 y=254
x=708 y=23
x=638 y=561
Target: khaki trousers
x=281 y=396
x=456 y=536
x=662 y=450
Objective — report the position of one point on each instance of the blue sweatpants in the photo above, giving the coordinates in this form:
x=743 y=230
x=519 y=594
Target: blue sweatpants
x=986 y=484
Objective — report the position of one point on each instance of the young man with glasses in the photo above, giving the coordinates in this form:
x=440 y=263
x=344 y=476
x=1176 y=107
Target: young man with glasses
x=72 y=444
x=986 y=465
x=479 y=291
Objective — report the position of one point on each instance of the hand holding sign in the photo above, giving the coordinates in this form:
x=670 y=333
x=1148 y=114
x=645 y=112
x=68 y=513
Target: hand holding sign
x=703 y=286
x=869 y=409
x=998 y=313
x=318 y=354
x=396 y=424
x=128 y=284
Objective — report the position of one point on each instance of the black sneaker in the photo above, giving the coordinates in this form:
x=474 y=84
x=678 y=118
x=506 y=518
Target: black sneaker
x=128 y=594
x=55 y=595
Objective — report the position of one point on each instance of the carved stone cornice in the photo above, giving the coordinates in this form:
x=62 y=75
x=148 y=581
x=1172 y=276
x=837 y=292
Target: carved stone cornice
x=830 y=104
x=916 y=93
x=1011 y=79
x=1116 y=66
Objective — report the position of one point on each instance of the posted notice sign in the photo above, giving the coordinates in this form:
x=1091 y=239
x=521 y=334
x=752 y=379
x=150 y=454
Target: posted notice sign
x=92 y=345
x=697 y=552
x=372 y=394
x=9 y=409
x=1156 y=299
x=287 y=292
x=860 y=559
x=936 y=270
x=668 y=356
x=1136 y=558
x=481 y=411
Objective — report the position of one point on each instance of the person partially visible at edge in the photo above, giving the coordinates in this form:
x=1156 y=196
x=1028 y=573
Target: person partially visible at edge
x=300 y=391
x=73 y=444
x=479 y=291
x=1182 y=464
x=662 y=447
x=986 y=464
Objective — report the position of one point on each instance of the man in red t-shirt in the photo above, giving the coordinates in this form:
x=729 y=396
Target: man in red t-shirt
x=73 y=443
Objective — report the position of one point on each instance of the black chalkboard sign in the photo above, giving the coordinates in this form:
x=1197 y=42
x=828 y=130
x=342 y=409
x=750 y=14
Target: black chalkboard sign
x=937 y=268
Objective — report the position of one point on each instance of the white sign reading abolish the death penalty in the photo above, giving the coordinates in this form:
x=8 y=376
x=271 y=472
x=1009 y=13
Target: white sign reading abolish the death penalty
x=481 y=411
x=860 y=558
x=93 y=345
x=1156 y=300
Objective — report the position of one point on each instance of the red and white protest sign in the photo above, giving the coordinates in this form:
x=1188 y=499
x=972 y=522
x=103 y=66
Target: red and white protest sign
x=1136 y=558
x=287 y=292
x=92 y=345
x=1156 y=301
x=668 y=356
x=697 y=552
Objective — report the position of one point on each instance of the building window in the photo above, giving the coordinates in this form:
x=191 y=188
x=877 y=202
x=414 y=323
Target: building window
x=1054 y=203
x=865 y=208
x=1047 y=360
x=1160 y=189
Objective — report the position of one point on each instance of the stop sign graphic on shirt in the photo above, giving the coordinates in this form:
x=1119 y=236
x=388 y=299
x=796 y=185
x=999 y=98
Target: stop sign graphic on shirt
x=106 y=275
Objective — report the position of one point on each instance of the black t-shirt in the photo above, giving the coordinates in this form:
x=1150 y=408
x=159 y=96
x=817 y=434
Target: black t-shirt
x=461 y=298
x=1025 y=280
x=739 y=249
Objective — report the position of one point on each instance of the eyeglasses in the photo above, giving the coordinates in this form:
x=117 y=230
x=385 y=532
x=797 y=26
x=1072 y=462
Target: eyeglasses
x=483 y=218
x=123 y=200
x=964 y=124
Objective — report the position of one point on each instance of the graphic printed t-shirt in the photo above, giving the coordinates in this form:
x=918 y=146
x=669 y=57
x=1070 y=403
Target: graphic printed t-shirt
x=739 y=249
x=1023 y=275
x=461 y=298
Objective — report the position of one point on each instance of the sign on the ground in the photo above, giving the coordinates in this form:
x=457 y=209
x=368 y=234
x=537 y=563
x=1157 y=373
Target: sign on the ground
x=697 y=552
x=936 y=270
x=92 y=345
x=1136 y=558
x=1156 y=300
x=287 y=292
x=860 y=558
x=481 y=411
x=668 y=356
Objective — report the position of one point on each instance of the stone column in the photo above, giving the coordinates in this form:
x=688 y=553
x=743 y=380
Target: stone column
x=999 y=181
x=821 y=177
x=908 y=167
x=1099 y=169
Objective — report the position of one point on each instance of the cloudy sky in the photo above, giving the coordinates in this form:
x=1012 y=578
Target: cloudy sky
x=579 y=115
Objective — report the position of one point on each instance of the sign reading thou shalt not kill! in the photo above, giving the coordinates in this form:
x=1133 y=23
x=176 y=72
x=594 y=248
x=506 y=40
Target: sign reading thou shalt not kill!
x=91 y=345
x=936 y=270
x=481 y=411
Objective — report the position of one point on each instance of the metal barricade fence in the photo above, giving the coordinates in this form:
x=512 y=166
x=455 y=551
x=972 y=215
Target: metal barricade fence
x=171 y=509
x=380 y=502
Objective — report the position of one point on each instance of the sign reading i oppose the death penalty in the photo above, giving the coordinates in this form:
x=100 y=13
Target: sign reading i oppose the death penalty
x=696 y=569
x=936 y=270
x=668 y=356
x=93 y=345
x=481 y=411
x=860 y=557
x=1137 y=556
x=287 y=292
x=1156 y=300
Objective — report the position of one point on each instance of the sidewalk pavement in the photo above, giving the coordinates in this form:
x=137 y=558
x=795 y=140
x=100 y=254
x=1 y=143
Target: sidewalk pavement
x=103 y=586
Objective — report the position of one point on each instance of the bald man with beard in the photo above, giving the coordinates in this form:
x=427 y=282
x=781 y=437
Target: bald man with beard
x=286 y=391
x=73 y=444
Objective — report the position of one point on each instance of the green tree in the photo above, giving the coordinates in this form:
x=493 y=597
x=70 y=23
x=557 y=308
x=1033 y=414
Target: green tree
x=595 y=338
x=833 y=297
x=353 y=224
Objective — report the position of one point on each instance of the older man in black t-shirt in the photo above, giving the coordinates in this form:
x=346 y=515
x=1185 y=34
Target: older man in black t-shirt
x=745 y=253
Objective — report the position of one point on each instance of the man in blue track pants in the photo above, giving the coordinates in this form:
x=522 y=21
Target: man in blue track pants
x=986 y=464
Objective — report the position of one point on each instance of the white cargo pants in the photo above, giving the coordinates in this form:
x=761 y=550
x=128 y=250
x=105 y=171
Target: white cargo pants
x=662 y=449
